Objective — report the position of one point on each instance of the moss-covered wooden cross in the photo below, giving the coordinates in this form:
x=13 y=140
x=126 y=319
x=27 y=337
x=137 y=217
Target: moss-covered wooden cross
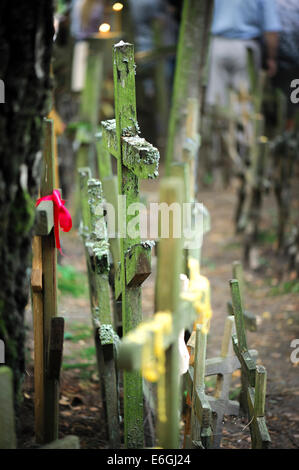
x=254 y=377
x=94 y=234
x=198 y=432
x=136 y=159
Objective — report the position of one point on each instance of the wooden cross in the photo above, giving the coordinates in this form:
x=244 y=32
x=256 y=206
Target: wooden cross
x=94 y=234
x=200 y=433
x=246 y=360
x=136 y=159
x=253 y=391
x=48 y=328
x=224 y=367
x=169 y=267
x=260 y=438
x=110 y=190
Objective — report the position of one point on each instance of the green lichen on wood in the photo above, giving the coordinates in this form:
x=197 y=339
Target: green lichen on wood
x=109 y=136
x=138 y=264
x=85 y=225
x=106 y=334
x=138 y=155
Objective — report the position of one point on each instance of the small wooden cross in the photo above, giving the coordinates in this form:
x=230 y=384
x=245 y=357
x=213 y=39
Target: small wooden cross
x=248 y=365
x=94 y=234
x=222 y=366
x=260 y=438
x=136 y=159
x=253 y=391
x=201 y=413
x=220 y=402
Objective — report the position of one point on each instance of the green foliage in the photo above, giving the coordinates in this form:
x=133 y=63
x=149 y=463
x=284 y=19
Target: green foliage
x=207 y=179
x=86 y=333
x=72 y=282
x=88 y=353
x=267 y=236
x=235 y=393
x=208 y=263
x=79 y=365
x=288 y=287
x=62 y=6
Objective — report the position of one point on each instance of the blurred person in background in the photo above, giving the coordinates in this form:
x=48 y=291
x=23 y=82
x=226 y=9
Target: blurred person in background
x=288 y=53
x=86 y=17
x=144 y=14
x=239 y=25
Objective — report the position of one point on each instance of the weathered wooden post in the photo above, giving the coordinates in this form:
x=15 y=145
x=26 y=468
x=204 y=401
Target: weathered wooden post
x=48 y=328
x=169 y=267
x=136 y=159
x=7 y=415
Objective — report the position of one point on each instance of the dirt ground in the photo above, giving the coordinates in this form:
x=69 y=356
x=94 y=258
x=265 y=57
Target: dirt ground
x=81 y=411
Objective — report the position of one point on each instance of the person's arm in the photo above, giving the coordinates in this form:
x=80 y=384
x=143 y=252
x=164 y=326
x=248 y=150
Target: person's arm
x=271 y=40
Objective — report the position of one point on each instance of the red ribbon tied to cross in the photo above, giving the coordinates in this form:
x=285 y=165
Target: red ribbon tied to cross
x=62 y=217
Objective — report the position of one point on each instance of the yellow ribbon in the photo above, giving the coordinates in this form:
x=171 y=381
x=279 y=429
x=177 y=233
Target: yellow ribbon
x=199 y=294
x=151 y=336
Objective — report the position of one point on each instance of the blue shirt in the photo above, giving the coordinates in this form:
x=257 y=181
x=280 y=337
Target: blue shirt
x=244 y=19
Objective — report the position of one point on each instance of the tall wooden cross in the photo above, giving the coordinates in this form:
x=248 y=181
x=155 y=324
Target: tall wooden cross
x=136 y=159
x=48 y=328
x=132 y=346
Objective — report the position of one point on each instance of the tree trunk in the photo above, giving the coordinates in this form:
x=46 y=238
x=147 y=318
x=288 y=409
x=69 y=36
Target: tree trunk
x=26 y=36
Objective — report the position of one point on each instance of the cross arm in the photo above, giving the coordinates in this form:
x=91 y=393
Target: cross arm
x=44 y=219
x=202 y=408
x=129 y=356
x=226 y=365
x=138 y=155
x=246 y=360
